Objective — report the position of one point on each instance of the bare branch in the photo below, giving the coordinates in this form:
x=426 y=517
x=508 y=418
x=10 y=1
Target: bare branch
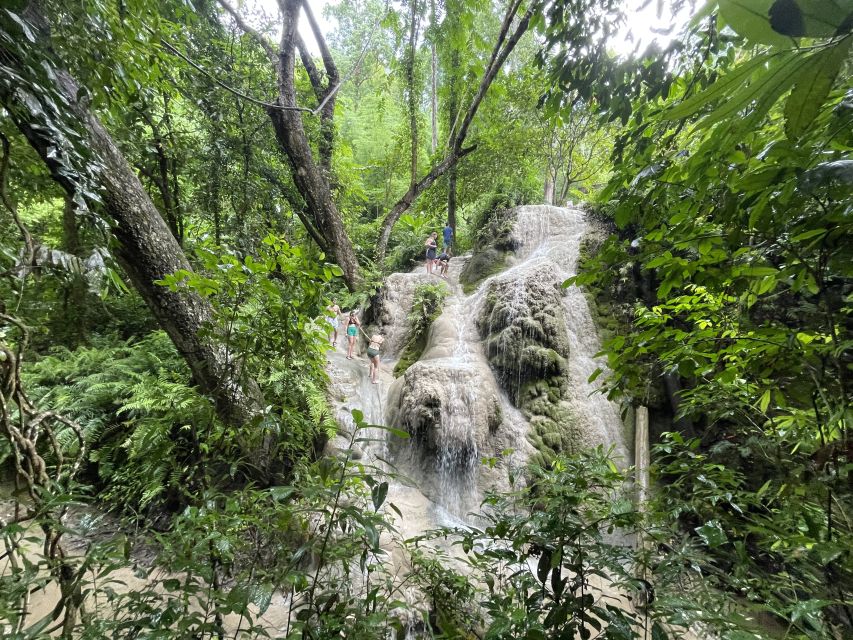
x=273 y=179
x=414 y=191
x=499 y=55
x=7 y=202
x=328 y=60
x=353 y=70
x=261 y=39
x=311 y=69
x=266 y=105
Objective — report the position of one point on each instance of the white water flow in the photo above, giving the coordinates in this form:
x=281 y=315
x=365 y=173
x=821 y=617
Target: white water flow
x=450 y=400
x=549 y=239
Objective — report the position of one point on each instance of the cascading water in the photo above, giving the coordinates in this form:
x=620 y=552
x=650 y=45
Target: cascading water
x=452 y=402
x=549 y=238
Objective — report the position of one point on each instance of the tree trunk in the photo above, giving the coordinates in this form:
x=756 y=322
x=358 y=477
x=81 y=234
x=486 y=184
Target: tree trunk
x=433 y=80
x=549 y=190
x=148 y=251
x=503 y=47
x=453 y=108
x=292 y=139
x=73 y=318
x=410 y=85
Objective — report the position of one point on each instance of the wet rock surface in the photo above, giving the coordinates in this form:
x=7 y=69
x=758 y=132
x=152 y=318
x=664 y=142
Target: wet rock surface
x=392 y=306
x=523 y=327
x=540 y=338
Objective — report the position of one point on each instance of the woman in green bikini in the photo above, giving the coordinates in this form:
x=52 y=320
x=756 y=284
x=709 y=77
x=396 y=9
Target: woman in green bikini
x=353 y=325
x=376 y=341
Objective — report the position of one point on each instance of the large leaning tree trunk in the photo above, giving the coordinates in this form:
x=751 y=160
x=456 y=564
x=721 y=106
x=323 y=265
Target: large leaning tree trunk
x=312 y=179
x=147 y=249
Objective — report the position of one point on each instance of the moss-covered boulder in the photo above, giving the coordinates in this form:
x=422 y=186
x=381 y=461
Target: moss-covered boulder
x=450 y=414
x=493 y=244
x=523 y=327
x=480 y=266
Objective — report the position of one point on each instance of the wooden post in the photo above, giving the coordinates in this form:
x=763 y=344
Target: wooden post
x=641 y=465
x=641 y=454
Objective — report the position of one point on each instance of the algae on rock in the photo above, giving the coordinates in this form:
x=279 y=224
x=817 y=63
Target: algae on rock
x=426 y=306
x=493 y=244
x=523 y=326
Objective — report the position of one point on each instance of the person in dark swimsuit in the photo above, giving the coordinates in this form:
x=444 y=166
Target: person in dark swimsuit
x=431 y=244
x=443 y=262
x=353 y=325
x=376 y=341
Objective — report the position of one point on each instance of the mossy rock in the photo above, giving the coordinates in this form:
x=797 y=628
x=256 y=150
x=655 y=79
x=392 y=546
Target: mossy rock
x=480 y=266
x=411 y=353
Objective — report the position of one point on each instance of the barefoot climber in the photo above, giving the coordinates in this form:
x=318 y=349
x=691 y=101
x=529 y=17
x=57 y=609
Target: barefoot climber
x=376 y=341
x=353 y=325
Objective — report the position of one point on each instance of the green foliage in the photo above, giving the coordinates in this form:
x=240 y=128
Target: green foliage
x=230 y=555
x=756 y=535
x=269 y=308
x=551 y=558
x=139 y=417
x=732 y=197
x=411 y=232
x=426 y=307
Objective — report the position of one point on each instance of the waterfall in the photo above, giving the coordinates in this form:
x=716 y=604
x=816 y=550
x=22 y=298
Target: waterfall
x=453 y=402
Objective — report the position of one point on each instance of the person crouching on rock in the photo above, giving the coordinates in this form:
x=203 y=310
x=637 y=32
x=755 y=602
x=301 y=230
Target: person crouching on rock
x=443 y=263
x=431 y=244
x=376 y=341
x=353 y=326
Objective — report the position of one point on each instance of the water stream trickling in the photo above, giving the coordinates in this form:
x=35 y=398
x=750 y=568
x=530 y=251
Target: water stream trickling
x=451 y=401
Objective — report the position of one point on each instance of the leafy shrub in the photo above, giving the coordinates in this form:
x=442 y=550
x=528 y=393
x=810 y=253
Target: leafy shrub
x=426 y=307
x=137 y=411
x=411 y=231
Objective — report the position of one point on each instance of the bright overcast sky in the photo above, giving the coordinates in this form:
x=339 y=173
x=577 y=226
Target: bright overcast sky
x=641 y=22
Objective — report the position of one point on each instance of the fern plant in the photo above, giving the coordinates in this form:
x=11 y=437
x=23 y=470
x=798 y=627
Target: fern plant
x=140 y=418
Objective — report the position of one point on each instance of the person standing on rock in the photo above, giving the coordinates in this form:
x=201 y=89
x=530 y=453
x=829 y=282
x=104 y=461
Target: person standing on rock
x=431 y=244
x=448 y=236
x=333 y=312
x=353 y=325
x=376 y=341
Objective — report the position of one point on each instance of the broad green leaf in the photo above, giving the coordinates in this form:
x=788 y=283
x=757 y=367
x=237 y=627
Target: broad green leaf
x=764 y=90
x=712 y=534
x=812 y=85
x=811 y=18
x=751 y=19
x=24 y=26
x=764 y=402
x=378 y=494
x=722 y=86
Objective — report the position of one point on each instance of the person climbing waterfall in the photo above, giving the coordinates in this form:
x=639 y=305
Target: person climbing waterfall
x=448 y=236
x=444 y=262
x=431 y=244
x=333 y=313
x=376 y=341
x=353 y=325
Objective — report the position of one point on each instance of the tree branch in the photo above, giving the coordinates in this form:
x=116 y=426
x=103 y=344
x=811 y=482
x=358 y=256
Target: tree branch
x=414 y=191
x=274 y=180
x=311 y=69
x=503 y=47
x=265 y=44
x=266 y=105
x=328 y=60
x=7 y=202
x=499 y=55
